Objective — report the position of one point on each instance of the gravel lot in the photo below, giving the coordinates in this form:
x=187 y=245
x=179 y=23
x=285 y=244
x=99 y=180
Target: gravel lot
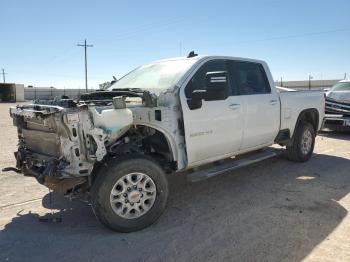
x=275 y=210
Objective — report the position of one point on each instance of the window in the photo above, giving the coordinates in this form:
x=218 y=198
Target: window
x=250 y=78
x=159 y=75
x=341 y=86
x=198 y=80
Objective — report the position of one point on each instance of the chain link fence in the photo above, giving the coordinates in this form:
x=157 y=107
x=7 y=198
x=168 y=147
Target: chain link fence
x=32 y=93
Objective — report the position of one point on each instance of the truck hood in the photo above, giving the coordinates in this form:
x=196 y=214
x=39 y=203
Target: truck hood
x=340 y=96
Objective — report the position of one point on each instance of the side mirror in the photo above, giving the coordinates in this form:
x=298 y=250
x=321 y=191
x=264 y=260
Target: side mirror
x=199 y=94
x=216 y=86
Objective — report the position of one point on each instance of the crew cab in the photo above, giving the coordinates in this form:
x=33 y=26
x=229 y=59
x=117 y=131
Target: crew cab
x=198 y=115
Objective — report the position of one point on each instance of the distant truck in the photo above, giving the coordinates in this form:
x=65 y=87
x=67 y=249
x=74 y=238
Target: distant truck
x=338 y=106
x=202 y=115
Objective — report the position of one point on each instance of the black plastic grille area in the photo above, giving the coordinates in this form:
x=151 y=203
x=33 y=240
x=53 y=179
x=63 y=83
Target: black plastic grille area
x=336 y=107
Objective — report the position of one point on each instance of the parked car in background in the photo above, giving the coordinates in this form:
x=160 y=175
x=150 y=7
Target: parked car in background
x=338 y=106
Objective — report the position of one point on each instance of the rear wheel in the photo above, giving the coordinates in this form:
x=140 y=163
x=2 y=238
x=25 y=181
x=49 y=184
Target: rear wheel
x=130 y=194
x=303 y=142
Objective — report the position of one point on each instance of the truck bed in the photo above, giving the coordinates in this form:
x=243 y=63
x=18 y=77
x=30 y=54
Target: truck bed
x=294 y=102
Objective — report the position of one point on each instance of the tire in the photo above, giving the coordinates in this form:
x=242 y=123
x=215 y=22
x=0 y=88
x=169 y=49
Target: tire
x=299 y=151
x=112 y=193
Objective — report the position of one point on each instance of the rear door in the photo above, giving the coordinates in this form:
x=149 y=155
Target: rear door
x=212 y=128
x=261 y=103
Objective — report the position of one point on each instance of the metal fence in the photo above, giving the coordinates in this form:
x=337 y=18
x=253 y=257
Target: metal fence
x=307 y=84
x=32 y=93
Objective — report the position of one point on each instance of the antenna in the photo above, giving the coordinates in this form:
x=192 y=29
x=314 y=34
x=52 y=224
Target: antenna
x=192 y=54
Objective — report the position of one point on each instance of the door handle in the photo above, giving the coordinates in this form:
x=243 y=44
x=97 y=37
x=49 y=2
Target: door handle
x=273 y=102
x=234 y=106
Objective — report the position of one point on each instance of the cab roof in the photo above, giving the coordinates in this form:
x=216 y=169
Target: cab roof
x=210 y=57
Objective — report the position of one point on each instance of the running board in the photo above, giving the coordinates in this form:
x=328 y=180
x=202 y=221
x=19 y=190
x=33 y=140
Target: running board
x=232 y=164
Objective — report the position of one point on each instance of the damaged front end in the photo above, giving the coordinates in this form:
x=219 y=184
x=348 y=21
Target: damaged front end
x=59 y=143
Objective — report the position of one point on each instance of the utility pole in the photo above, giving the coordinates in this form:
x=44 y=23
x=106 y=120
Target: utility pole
x=85 y=47
x=3 y=75
x=310 y=77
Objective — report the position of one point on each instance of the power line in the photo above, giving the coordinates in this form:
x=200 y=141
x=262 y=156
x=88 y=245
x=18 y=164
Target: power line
x=143 y=28
x=61 y=57
x=3 y=75
x=284 y=37
x=85 y=47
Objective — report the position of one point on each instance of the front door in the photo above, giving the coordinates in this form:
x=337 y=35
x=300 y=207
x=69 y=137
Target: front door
x=213 y=128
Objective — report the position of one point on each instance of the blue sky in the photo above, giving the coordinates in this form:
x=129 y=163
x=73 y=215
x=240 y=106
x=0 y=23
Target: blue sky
x=296 y=37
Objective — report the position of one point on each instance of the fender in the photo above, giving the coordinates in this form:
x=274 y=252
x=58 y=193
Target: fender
x=311 y=115
x=175 y=143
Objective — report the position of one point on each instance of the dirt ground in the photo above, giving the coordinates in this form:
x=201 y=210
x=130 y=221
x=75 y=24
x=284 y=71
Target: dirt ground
x=275 y=210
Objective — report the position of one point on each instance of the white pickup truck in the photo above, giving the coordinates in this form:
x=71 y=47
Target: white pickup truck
x=202 y=115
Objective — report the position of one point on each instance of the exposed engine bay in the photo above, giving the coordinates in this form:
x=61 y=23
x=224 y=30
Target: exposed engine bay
x=61 y=141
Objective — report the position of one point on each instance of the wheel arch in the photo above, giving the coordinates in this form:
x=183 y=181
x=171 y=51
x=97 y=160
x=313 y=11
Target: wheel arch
x=171 y=144
x=310 y=115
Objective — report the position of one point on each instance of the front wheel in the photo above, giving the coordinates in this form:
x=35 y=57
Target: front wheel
x=303 y=143
x=130 y=194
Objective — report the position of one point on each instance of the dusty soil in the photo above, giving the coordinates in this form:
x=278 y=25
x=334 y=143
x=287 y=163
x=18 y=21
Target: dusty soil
x=275 y=210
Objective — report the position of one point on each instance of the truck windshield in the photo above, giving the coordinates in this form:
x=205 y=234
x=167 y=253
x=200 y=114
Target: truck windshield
x=160 y=75
x=341 y=86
